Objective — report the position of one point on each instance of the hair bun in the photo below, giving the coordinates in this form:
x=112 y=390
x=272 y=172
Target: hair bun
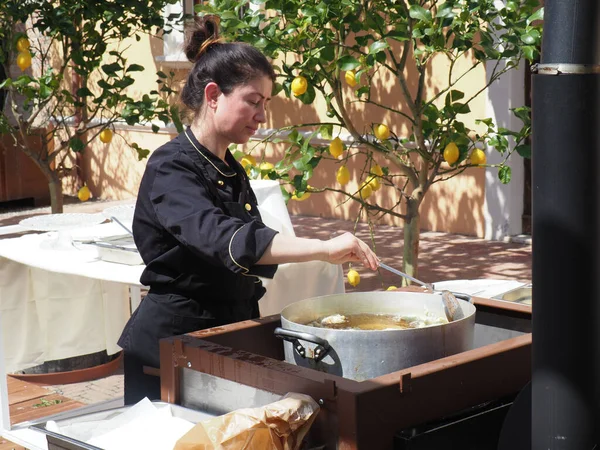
x=200 y=35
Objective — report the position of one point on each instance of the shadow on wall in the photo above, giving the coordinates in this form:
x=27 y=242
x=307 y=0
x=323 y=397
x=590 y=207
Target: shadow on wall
x=456 y=205
x=113 y=169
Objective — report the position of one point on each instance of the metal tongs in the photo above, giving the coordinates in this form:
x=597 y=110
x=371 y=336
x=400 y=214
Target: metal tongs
x=451 y=306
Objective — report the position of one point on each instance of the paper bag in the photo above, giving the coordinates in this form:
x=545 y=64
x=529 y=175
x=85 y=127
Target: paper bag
x=277 y=426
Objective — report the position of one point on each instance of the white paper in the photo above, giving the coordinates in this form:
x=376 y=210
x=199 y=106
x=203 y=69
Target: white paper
x=144 y=425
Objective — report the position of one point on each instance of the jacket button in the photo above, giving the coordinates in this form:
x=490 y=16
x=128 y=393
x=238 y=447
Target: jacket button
x=248 y=207
x=220 y=183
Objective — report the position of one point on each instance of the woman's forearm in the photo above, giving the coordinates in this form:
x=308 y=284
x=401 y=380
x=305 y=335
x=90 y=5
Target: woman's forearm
x=338 y=250
x=290 y=249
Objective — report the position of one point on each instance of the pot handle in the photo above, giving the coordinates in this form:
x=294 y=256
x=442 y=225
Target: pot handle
x=465 y=297
x=294 y=337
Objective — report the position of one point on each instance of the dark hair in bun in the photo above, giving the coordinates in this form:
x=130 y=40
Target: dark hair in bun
x=229 y=64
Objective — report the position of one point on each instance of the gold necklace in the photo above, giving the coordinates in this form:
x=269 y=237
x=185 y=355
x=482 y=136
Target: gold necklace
x=204 y=156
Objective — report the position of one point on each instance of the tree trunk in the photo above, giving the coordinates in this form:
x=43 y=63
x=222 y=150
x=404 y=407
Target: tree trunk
x=410 y=261
x=56 y=194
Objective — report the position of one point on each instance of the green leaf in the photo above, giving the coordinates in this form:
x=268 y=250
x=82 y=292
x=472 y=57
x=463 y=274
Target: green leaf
x=538 y=15
x=419 y=13
x=295 y=137
x=453 y=96
x=6 y=83
x=523 y=113
x=461 y=108
x=378 y=46
x=104 y=85
x=529 y=52
x=327 y=53
x=176 y=118
x=504 y=174
x=141 y=152
x=155 y=128
x=524 y=151
x=444 y=11
x=528 y=39
x=348 y=62
x=76 y=144
x=45 y=91
x=309 y=96
x=326 y=131
x=135 y=68
x=111 y=69
x=84 y=92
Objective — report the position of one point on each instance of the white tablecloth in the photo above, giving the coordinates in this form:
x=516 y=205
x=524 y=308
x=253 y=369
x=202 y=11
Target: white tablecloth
x=57 y=304
x=483 y=287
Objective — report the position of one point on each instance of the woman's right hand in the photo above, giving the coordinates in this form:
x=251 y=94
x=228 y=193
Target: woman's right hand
x=348 y=248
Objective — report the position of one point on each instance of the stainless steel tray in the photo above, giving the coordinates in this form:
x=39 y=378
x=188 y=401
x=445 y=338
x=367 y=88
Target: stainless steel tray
x=117 y=249
x=522 y=295
x=58 y=441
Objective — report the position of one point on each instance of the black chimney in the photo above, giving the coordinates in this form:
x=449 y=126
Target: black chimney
x=566 y=229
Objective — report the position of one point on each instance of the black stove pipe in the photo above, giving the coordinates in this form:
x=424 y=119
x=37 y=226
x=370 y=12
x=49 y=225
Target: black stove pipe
x=566 y=229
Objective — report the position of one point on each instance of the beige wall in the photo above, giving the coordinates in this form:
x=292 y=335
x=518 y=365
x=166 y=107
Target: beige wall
x=456 y=205
x=453 y=206
x=112 y=171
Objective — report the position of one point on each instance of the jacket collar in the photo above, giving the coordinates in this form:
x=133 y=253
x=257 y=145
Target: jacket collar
x=205 y=157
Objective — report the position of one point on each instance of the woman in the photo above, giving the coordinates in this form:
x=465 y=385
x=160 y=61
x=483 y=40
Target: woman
x=196 y=221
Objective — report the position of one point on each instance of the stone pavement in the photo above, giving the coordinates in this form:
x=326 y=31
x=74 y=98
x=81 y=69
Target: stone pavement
x=442 y=257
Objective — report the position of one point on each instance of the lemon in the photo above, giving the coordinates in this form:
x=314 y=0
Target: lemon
x=247 y=160
x=365 y=191
x=22 y=44
x=24 y=60
x=451 y=153
x=106 y=135
x=353 y=277
x=478 y=157
x=391 y=288
x=83 y=194
x=303 y=197
x=350 y=78
x=342 y=175
x=376 y=170
x=299 y=85
x=374 y=184
x=382 y=132
x=266 y=166
x=336 y=147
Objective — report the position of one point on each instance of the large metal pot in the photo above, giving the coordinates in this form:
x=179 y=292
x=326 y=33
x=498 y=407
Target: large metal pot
x=364 y=354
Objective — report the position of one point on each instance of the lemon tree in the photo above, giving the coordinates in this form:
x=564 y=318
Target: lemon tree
x=421 y=136
x=84 y=92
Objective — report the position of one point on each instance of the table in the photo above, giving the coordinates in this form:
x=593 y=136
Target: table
x=57 y=304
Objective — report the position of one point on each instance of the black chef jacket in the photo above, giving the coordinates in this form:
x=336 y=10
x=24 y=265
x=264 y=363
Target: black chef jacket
x=198 y=229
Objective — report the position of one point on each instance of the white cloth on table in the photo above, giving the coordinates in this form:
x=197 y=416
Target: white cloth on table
x=483 y=287
x=48 y=316
x=57 y=304
x=272 y=206
x=295 y=282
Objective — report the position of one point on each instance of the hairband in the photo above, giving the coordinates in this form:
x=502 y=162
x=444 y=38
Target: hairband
x=207 y=43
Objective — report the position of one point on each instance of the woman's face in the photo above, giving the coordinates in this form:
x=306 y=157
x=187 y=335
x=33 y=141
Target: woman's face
x=239 y=114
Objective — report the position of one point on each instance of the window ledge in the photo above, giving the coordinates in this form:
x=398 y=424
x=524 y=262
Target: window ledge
x=174 y=61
